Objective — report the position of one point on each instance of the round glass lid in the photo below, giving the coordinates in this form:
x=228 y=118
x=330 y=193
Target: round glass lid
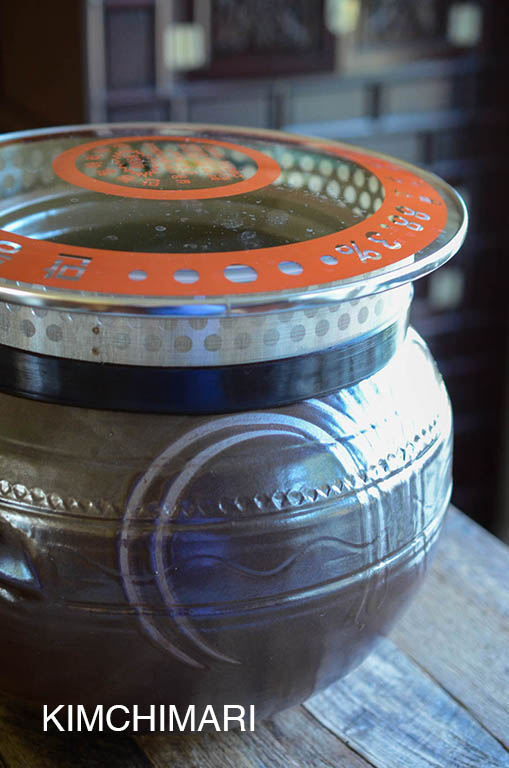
x=151 y=217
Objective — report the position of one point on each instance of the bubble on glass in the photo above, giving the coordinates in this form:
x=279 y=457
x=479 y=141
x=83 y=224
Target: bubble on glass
x=249 y=237
x=277 y=218
x=232 y=220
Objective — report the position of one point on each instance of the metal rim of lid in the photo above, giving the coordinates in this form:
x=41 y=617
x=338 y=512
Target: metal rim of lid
x=198 y=341
x=434 y=254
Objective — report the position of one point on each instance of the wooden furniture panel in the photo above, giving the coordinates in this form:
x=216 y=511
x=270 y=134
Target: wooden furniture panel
x=254 y=111
x=130 y=47
x=42 y=64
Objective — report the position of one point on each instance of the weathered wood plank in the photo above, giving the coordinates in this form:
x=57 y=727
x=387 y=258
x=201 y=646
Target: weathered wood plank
x=396 y=716
x=292 y=739
x=458 y=628
x=23 y=744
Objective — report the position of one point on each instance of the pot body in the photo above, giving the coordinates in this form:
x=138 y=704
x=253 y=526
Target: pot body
x=248 y=558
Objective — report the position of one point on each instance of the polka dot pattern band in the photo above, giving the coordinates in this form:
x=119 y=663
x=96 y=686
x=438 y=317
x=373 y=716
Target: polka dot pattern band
x=199 y=341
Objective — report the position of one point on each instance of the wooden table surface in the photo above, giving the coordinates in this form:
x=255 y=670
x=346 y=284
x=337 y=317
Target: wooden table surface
x=436 y=693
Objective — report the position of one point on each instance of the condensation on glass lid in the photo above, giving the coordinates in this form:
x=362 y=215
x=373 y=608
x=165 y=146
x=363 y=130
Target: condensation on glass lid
x=309 y=196
x=155 y=215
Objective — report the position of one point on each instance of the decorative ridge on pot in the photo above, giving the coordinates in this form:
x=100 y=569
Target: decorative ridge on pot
x=281 y=500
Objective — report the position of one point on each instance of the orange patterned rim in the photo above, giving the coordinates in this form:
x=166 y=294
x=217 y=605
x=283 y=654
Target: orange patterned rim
x=140 y=184
x=412 y=215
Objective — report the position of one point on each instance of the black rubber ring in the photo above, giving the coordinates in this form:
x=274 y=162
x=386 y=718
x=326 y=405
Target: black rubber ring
x=196 y=390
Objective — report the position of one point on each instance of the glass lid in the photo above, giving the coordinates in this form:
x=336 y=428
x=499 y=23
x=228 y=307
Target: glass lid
x=193 y=219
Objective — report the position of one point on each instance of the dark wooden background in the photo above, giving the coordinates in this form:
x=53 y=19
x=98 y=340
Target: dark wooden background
x=400 y=87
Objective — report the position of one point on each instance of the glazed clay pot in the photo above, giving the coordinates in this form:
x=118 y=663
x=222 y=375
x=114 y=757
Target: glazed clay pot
x=221 y=482
x=250 y=558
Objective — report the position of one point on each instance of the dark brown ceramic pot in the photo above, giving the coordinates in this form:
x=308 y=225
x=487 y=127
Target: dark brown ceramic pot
x=211 y=497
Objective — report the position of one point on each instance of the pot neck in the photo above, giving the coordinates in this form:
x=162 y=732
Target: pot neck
x=365 y=334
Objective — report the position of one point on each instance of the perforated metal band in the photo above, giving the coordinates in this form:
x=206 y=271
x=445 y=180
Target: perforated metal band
x=197 y=341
